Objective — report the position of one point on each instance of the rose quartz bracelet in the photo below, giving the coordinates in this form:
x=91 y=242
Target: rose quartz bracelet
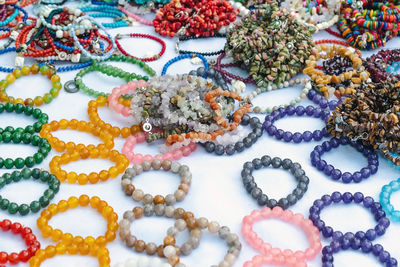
x=276 y=256
x=140 y=137
x=136 y=17
x=124 y=89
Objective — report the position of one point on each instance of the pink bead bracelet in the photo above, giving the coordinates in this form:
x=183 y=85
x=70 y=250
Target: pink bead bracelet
x=276 y=256
x=140 y=137
x=124 y=89
x=136 y=17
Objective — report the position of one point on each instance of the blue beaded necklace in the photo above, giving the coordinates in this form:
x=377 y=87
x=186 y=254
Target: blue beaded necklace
x=180 y=57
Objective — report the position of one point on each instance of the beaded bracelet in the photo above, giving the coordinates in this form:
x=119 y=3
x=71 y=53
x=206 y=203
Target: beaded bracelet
x=111 y=71
x=211 y=73
x=384 y=199
x=296 y=137
x=41 y=117
x=231 y=239
x=101 y=253
x=377 y=65
x=221 y=121
x=336 y=174
x=347 y=198
x=159 y=210
x=156 y=164
x=82 y=49
x=38 y=100
x=356 y=244
x=124 y=89
x=140 y=137
x=376 y=102
x=286 y=164
x=24 y=138
x=143 y=261
x=180 y=57
x=270 y=60
x=323 y=81
x=96 y=203
x=121 y=163
x=321 y=101
x=140 y=35
x=48 y=13
x=229 y=76
x=187 y=38
x=107 y=12
x=34 y=206
x=295 y=101
x=239 y=146
x=134 y=16
x=115 y=131
x=82 y=126
x=29 y=239
x=275 y=255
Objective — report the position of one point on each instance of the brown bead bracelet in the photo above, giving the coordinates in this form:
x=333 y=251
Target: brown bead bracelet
x=156 y=164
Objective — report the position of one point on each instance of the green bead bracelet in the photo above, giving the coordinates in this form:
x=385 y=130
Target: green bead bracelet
x=36 y=113
x=25 y=138
x=26 y=174
x=110 y=71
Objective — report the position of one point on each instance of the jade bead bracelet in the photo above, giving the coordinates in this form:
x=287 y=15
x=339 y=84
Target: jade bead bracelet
x=36 y=113
x=109 y=71
x=25 y=138
x=26 y=174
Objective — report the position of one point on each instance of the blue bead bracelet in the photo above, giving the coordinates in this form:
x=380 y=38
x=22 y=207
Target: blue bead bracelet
x=336 y=174
x=356 y=244
x=347 y=198
x=180 y=57
x=384 y=199
x=296 y=137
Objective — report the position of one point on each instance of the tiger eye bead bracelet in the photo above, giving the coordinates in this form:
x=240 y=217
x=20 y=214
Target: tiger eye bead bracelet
x=156 y=164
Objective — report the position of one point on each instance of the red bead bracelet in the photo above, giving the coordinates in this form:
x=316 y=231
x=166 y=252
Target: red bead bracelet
x=30 y=241
x=140 y=35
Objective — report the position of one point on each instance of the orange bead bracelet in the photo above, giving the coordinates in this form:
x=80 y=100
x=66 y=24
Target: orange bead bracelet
x=82 y=126
x=115 y=131
x=61 y=248
x=78 y=242
x=121 y=163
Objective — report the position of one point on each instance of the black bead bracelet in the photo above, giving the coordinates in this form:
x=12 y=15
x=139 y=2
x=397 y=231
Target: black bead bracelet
x=247 y=142
x=206 y=54
x=286 y=164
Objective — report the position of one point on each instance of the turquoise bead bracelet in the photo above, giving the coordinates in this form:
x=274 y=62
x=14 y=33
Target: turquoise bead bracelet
x=25 y=174
x=384 y=199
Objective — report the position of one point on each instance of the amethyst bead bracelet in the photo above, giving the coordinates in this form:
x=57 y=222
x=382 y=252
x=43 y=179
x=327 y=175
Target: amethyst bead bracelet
x=298 y=111
x=356 y=244
x=347 y=198
x=321 y=101
x=336 y=174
